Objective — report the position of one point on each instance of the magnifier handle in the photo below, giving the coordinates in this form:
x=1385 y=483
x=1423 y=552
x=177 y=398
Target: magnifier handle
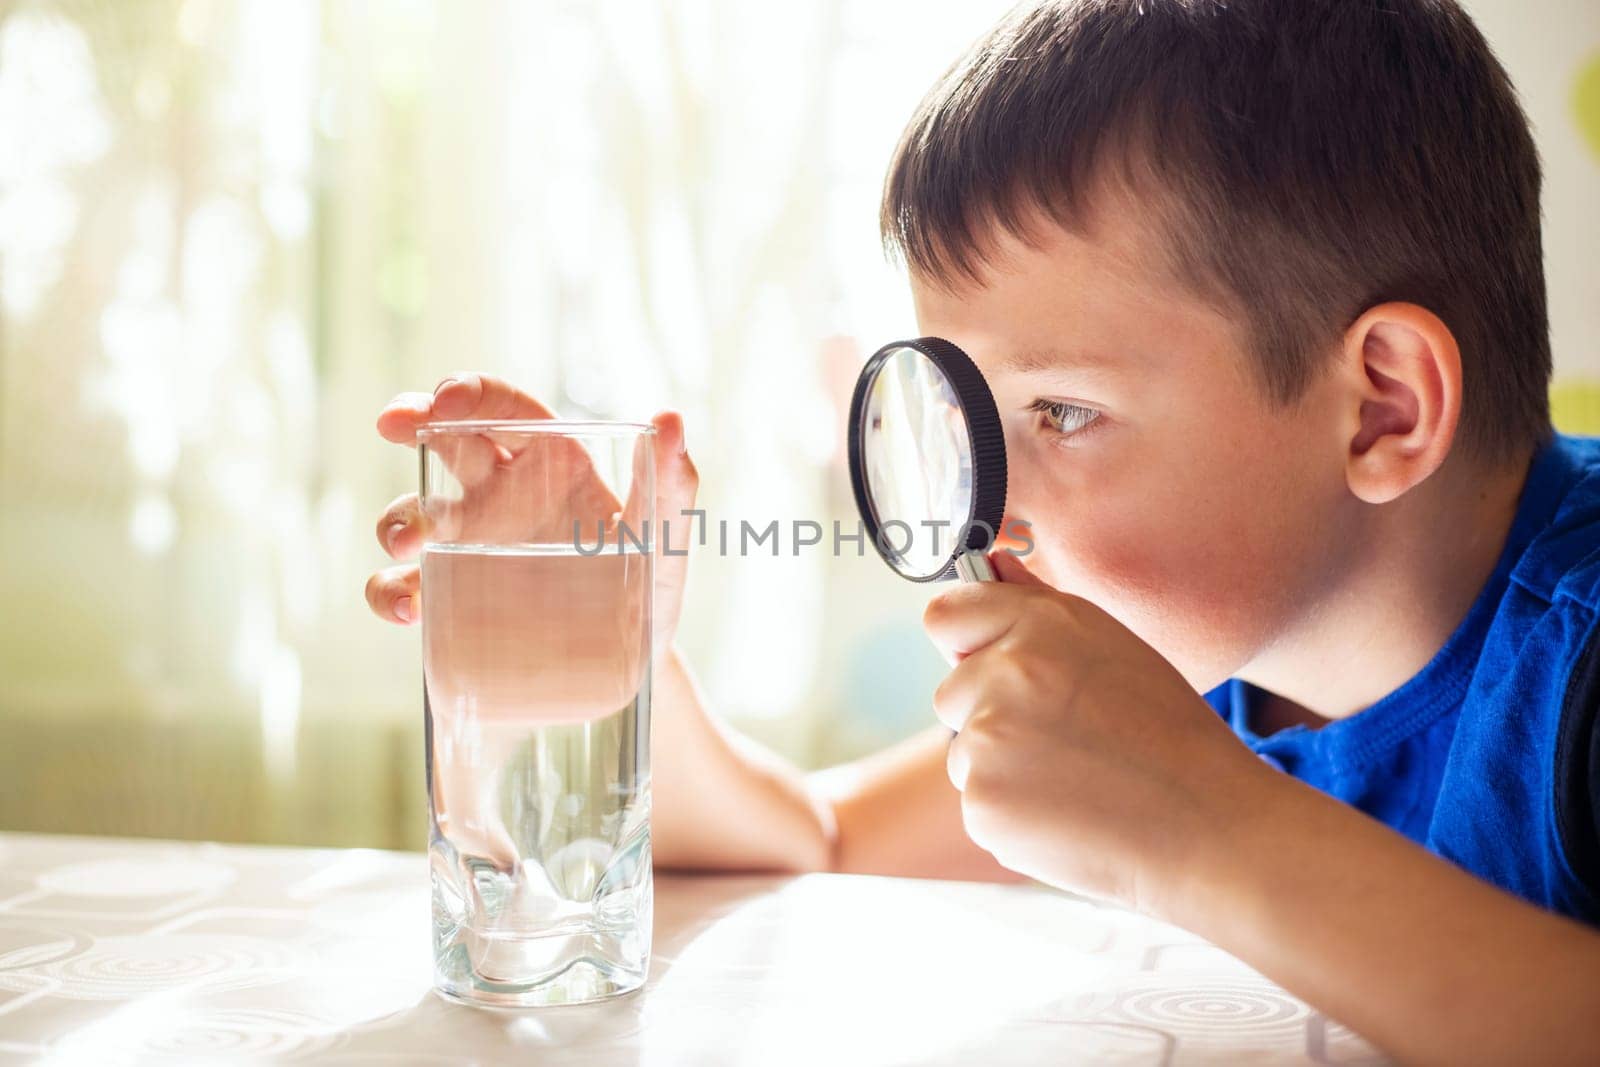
x=973 y=566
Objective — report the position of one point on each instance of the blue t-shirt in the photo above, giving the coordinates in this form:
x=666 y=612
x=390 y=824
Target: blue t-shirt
x=1490 y=755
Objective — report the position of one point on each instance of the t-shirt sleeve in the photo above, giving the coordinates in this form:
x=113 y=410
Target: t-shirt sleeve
x=1221 y=700
x=1577 y=767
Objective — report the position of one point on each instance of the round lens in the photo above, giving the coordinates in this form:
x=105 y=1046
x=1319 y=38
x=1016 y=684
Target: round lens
x=916 y=451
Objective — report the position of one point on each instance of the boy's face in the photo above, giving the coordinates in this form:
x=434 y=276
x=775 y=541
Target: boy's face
x=1192 y=509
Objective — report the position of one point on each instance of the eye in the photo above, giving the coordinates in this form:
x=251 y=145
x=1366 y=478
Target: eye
x=1062 y=417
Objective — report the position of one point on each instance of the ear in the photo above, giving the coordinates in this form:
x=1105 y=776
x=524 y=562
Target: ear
x=1406 y=374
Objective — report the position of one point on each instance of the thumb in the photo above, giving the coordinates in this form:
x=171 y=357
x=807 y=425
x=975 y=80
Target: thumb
x=677 y=481
x=677 y=484
x=1008 y=568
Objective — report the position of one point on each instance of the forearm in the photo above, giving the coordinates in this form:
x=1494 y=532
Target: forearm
x=723 y=802
x=899 y=815
x=1426 y=961
x=720 y=801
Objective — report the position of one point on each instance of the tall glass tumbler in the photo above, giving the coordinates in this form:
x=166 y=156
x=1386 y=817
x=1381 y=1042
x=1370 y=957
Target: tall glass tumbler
x=536 y=631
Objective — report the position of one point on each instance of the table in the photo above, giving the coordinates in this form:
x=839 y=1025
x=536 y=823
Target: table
x=135 y=951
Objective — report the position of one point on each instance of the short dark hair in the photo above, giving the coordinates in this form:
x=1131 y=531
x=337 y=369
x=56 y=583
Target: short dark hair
x=1317 y=157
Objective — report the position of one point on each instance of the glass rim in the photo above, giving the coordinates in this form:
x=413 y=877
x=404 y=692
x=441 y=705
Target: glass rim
x=573 y=427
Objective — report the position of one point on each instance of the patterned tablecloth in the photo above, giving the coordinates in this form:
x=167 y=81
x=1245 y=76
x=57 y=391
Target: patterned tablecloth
x=123 y=951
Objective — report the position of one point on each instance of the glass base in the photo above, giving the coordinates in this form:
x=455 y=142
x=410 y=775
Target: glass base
x=540 y=867
x=588 y=985
x=583 y=980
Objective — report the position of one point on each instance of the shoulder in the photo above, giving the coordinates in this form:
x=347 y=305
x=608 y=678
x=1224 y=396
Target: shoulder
x=1562 y=559
x=1561 y=568
x=1520 y=802
x=1576 y=763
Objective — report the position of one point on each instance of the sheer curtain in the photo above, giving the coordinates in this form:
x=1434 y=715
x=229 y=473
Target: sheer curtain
x=230 y=231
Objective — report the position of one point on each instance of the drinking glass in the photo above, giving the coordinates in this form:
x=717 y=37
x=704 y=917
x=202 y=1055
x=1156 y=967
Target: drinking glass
x=536 y=633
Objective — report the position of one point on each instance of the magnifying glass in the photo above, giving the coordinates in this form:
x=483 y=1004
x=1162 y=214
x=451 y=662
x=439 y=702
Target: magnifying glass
x=928 y=460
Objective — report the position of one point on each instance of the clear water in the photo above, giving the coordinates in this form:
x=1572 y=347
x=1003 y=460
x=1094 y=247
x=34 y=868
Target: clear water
x=537 y=696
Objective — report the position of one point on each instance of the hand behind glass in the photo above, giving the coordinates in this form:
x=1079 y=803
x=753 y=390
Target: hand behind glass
x=488 y=473
x=497 y=655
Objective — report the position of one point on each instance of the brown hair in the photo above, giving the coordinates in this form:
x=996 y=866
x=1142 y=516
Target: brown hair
x=1314 y=158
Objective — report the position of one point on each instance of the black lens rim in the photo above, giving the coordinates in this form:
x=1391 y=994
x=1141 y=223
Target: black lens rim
x=984 y=433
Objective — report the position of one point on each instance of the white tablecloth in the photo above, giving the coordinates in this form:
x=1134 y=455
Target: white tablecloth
x=125 y=951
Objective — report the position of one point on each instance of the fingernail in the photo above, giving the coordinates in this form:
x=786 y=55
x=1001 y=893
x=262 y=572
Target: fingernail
x=392 y=533
x=402 y=609
x=683 y=439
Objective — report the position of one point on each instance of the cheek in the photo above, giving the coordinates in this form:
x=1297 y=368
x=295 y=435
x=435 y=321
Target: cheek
x=1201 y=552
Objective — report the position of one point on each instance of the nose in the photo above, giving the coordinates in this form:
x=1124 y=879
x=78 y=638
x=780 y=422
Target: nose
x=1007 y=537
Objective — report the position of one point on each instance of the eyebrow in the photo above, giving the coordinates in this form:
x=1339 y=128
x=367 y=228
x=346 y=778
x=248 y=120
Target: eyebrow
x=1038 y=360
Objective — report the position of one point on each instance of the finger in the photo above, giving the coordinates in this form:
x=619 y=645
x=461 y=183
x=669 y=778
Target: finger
x=972 y=615
x=561 y=460
x=402 y=527
x=672 y=450
x=957 y=695
x=399 y=419
x=470 y=396
x=958 y=762
x=471 y=457
x=555 y=472
x=677 y=485
x=394 y=593
x=985 y=678
x=483 y=396
x=1008 y=568
x=676 y=480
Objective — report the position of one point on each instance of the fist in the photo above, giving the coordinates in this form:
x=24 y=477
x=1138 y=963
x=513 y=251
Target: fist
x=1084 y=759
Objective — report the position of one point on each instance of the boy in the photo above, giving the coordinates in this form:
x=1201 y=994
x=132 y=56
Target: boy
x=1258 y=289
